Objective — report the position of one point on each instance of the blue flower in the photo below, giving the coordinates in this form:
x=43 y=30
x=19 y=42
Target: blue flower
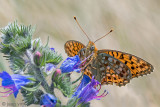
x=85 y=80
x=71 y=64
x=13 y=82
x=89 y=92
x=48 y=100
x=52 y=49
x=50 y=67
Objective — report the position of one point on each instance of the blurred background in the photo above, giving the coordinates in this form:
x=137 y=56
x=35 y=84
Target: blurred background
x=136 y=26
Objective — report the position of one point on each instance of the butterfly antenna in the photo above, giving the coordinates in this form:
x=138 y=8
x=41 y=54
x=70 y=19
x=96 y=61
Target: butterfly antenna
x=81 y=27
x=104 y=35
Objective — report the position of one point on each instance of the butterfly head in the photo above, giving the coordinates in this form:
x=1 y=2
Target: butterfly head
x=92 y=47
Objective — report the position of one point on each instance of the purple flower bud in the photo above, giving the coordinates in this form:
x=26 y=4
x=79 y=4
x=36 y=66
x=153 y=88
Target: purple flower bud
x=58 y=71
x=37 y=58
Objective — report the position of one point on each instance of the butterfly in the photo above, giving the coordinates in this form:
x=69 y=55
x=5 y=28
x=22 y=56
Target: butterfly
x=107 y=66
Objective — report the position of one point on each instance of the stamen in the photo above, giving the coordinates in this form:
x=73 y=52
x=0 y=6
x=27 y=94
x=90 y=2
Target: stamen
x=7 y=94
x=8 y=86
x=100 y=87
x=6 y=91
x=97 y=97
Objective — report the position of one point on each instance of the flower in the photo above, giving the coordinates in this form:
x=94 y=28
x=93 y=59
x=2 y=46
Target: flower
x=48 y=100
x=71 y=64
x=89 y=92
x=13 y=82
x=50 y=67
x=52 y=49
x=85 y=80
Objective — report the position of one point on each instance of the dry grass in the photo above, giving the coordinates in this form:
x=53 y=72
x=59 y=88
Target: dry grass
x=136 y=24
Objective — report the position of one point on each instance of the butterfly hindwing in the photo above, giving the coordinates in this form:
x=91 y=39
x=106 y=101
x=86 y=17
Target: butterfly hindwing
x=72 y=47
x=137 y=66
x=111 y=70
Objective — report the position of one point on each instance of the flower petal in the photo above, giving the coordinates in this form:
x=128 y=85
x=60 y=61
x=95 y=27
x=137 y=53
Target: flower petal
x=50 y=67
x=48 y=100
x=85 y=80
x=13 y=82
x=52 y=49
x=6 y=79
x=70 y=64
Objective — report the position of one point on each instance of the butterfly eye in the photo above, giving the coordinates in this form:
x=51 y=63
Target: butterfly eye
x=92 y=48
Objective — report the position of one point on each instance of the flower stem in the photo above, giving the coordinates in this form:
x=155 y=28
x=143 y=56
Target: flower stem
x=77 y=79
x=40 y=77
x=38 y=73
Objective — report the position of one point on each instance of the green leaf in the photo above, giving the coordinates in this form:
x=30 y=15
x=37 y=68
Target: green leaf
x=49 y=56
x=62 y=82
x=72 y=102
x=31 y=97
x=17 y=64
x=32 y=88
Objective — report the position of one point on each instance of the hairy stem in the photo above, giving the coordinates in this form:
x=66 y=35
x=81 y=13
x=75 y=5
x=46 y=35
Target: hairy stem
x=38 y=73
x=40 y=77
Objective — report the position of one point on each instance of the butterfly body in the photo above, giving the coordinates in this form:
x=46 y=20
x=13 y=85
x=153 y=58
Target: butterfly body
x=108 y=66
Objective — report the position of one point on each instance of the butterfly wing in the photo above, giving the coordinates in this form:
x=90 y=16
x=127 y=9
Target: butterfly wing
x=72 y=47
x=137 y=66
x=109 y=70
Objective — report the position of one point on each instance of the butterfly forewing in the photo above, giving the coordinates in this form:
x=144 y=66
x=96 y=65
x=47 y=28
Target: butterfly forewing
x=137 y=66
x=72 y=47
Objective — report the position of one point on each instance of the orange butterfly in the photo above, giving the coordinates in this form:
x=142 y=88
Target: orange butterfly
x=108 y=66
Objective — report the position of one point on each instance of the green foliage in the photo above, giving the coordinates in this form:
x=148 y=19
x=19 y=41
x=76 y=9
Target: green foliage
x=17 y=64
x=16 y=39
x=72 y=102
x=36 y=44
x=84 y=105
x=31 y=94
x=31 y=97
x=32 y=88
x=62 y=82
x=49 y=56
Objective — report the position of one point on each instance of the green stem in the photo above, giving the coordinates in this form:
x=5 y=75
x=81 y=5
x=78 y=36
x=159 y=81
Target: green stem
x=77 y=79
x=39 y=73
x=40 y=77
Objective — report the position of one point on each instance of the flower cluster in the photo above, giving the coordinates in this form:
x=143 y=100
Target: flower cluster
x=32 y=63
